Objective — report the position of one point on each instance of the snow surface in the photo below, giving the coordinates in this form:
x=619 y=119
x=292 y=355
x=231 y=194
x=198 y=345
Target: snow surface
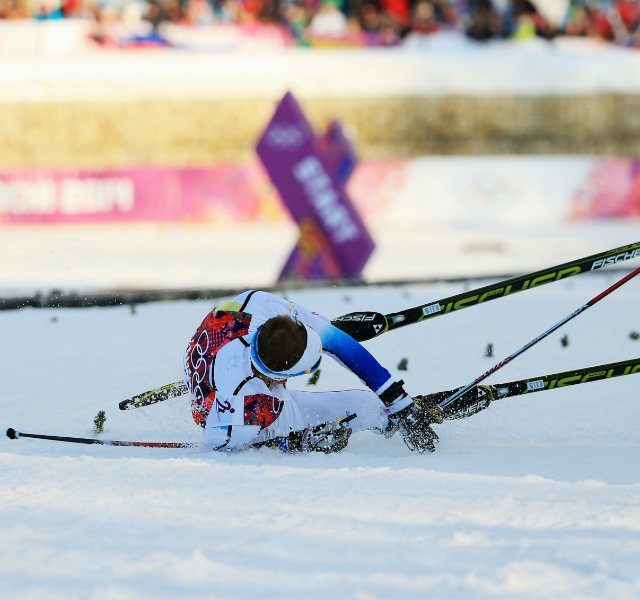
x=537 y=497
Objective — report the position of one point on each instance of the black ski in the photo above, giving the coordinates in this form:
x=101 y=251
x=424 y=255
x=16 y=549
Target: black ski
x=365 y=325
x=171 y=390
x=481 y=396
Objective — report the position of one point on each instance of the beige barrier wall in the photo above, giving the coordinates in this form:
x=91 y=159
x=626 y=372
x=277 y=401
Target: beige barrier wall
x=198 y=132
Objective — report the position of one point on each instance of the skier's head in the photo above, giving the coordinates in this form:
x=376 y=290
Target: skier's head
x=284 y=347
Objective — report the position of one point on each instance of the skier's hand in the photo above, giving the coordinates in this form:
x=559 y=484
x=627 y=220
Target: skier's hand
x=328 y=437
x=415 y=426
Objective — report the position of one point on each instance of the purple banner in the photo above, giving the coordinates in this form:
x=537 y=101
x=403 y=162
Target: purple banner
x=288 y=150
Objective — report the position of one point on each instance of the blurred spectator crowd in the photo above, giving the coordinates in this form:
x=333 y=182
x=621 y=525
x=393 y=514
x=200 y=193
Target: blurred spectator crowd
x=343 y=22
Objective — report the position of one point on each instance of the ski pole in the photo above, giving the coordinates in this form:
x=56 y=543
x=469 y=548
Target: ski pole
x=438 y=408
x=14 y=435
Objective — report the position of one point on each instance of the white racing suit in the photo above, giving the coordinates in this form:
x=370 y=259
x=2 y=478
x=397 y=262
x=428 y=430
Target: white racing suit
x=238 y=409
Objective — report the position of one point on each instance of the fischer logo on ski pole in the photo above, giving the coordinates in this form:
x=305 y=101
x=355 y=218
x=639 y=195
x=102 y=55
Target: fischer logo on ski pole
x=440 y=406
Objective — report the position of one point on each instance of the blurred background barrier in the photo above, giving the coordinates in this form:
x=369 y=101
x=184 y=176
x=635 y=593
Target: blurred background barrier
x=201 y=132
x=166 y=107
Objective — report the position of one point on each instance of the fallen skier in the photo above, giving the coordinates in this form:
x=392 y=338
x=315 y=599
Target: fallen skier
x=237 y=365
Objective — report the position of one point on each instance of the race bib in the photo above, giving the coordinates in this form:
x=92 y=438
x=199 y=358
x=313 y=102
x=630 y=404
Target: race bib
x=226 y=410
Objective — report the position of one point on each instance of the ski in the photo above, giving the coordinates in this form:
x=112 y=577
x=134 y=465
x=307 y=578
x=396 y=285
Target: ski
x=443 y=404
x=14 y=435
x=363 y=326
x=479 y=398
x=171 y=390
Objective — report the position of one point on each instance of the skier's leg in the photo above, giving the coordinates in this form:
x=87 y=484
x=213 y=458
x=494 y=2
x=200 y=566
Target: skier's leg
x=320 y=407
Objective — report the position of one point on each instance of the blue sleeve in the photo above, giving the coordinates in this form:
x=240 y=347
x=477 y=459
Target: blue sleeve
x=352 y=355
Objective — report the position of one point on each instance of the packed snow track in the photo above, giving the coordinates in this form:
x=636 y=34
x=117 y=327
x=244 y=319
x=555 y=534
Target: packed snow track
x=536 y=497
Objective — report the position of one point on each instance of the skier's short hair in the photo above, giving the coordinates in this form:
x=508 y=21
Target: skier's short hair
x=281 y=343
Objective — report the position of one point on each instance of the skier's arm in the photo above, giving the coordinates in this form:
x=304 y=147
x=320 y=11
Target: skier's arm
x=351 y=354
x=355 y=357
